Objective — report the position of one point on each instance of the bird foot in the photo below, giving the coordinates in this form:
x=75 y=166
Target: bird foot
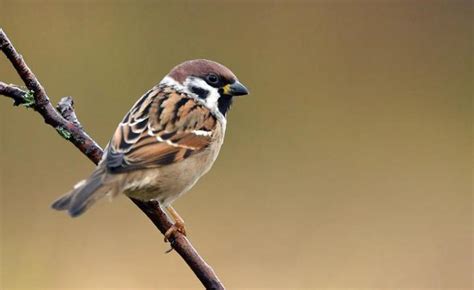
x=177 y=227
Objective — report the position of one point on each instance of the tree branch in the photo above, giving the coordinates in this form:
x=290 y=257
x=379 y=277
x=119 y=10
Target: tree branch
x=17 y=94
x=65 y=121
x=66 y=109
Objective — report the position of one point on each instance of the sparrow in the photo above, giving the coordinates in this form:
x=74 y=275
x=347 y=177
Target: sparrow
x=167 y=141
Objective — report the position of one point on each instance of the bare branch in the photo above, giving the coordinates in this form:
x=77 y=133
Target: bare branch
x=65 y=121
x=43 y=106
x=66 y=109
x=17 y=94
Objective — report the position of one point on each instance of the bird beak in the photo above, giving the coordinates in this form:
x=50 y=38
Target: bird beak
x=235 y=89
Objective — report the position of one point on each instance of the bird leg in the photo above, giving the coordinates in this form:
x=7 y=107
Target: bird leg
x=178 y=226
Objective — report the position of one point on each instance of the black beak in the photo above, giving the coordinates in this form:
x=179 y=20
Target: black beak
x=236 y=89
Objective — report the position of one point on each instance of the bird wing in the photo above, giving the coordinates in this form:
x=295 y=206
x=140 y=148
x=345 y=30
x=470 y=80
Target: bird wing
x=163 y=127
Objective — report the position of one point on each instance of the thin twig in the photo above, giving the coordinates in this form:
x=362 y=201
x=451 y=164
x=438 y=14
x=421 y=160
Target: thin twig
x=17 y=94
x=65 y=121
x=66 y=109
x=43 y=106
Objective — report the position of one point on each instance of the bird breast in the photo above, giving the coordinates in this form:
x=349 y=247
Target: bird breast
x=167 y=183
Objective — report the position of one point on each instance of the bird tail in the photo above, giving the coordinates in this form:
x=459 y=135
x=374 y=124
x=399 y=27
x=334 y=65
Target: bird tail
x=84 y=194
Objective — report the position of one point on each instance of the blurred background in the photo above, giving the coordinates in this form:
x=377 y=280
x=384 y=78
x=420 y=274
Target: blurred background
x=348 y=166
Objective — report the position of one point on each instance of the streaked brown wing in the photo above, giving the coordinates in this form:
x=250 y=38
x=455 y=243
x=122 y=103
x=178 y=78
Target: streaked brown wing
x=163 y=127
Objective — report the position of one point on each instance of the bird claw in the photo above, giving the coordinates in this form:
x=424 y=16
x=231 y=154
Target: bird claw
x=177 y=227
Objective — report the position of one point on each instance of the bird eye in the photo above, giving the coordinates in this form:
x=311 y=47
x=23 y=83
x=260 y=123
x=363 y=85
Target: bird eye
x=212 y=78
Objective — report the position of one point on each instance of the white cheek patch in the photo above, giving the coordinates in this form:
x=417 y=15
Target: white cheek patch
x=212 y=97
x=211 y=101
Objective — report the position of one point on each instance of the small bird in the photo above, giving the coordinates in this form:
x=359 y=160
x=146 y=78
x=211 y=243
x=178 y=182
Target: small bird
x=165 y=143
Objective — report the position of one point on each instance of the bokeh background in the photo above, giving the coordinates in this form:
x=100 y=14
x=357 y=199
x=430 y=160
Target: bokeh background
x=349 y=166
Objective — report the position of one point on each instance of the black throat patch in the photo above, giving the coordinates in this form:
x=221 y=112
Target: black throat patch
x=224 y=103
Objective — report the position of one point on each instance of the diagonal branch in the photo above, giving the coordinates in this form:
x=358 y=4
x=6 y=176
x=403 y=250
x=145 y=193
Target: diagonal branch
x=65 y=121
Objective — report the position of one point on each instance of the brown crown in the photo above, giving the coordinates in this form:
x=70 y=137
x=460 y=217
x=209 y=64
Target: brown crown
x=200 y=68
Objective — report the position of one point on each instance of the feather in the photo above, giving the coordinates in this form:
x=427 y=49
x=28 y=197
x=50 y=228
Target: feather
x=162 y=128
x=85 y=193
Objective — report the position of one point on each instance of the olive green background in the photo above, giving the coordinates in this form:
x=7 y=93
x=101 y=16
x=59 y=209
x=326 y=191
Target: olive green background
x=348 y=166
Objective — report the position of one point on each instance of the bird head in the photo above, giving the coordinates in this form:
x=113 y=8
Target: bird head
x=210 y=82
